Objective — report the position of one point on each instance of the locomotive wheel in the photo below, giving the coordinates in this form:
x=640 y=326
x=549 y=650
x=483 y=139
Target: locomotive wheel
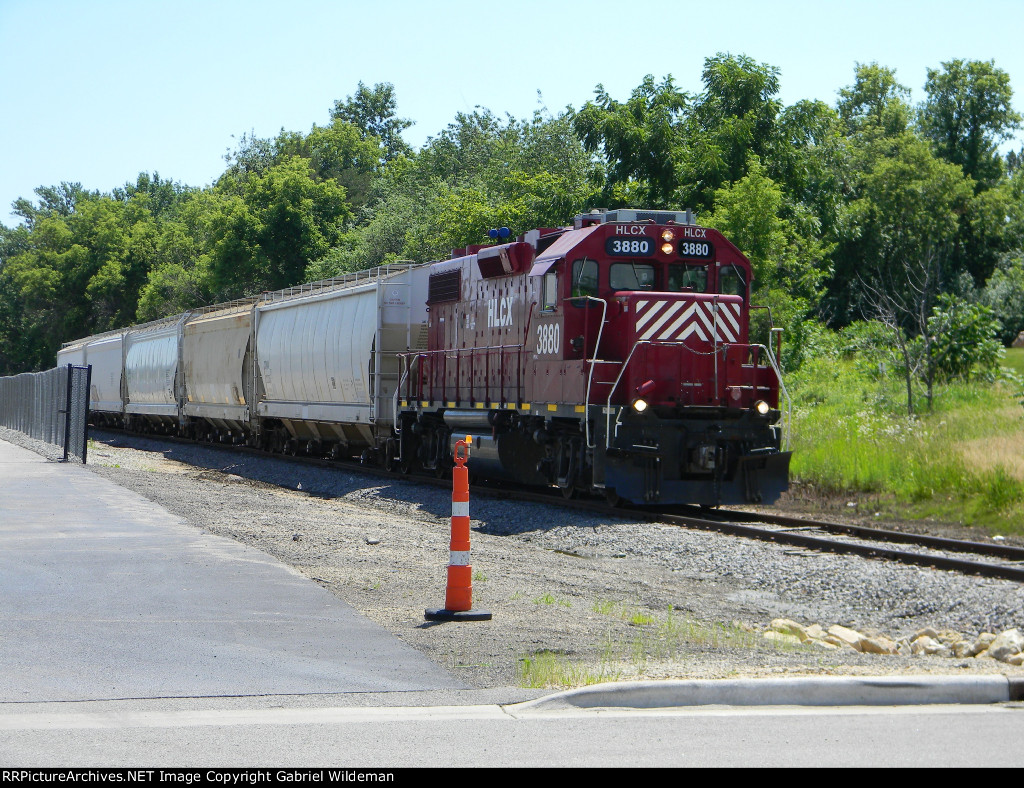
x=568 y=493
x=613 y=498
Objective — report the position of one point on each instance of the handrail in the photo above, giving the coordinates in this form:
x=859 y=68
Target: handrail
x=456 y=352
x=335 y=283
x=593 y=361
x=788 y=412
x=398 y=388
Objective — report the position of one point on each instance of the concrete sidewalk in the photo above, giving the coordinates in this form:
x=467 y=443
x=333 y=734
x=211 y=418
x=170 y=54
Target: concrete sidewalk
x=104 y=595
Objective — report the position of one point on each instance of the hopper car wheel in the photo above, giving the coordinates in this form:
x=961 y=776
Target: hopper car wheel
x=568 y=493
x=613 y=498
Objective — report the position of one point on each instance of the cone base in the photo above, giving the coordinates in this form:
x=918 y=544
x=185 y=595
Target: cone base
x=440 y=614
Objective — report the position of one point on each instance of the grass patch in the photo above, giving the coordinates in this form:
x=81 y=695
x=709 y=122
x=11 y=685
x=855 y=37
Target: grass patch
x=963 y=462
x=637 y=637
x=552 y=669
x=550 y=599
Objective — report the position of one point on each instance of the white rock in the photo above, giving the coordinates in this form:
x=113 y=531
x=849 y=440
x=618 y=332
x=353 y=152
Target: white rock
x=927 y=645
x=1015 y=659
x=787 y=627
x=982 y=643
x=815 y=632
x=927 y=632
x=850 y=637
x=878 y=645
x=1006 y=645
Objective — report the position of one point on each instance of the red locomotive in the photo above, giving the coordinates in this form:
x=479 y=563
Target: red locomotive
x=612 y=356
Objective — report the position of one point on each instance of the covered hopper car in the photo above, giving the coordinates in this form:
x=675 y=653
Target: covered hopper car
x=613 y=356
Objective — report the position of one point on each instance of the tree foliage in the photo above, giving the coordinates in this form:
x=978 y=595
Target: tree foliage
x=967 y=114
x=834 y=205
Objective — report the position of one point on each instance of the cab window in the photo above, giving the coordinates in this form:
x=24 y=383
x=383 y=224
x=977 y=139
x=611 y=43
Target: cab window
x=631 y=276
x=687 y=278
x=584 y=278
x=732 y=281
x=549 y=296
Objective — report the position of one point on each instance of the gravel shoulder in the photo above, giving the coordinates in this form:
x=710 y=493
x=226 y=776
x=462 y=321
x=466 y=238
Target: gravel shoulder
x=574 y=596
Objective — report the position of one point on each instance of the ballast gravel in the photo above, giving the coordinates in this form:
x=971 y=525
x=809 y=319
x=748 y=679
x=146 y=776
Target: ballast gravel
x=575 y=597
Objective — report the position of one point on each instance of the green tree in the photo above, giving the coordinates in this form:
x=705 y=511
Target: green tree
x=959 y=343
x=811 y=161
x=372 y=111
x=967 y=114
x=876 y=104
x=736 y=115
x=264 y=238
x=640 y=140
x=1004 y=295
x=339 y=152
x=904 y=217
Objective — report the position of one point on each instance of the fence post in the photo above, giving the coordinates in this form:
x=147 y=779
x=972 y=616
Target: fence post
x=67 y=416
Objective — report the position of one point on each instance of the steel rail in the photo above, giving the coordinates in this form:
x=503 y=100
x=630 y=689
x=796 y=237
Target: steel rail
x=1008 y=552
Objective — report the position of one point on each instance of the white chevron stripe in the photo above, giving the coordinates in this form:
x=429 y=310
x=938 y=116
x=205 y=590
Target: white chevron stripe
x=723 y=326
x=731 y=312
x=671 y=330
x=643 y=316
x=662 y=320
x=665 y=317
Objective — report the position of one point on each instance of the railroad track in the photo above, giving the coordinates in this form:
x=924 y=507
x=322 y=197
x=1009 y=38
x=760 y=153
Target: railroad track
x=992 y=560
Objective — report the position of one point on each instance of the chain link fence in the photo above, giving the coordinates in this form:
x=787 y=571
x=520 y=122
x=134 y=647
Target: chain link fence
x=51 y=406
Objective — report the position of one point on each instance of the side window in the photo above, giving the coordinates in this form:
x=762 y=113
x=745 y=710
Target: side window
x=732 y=281
x=690 y=278
x=631 y=276
x=584 y=278
x=549 y=298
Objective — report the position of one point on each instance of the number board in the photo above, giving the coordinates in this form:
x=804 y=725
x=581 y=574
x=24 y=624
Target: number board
x=629 y=247
x=699 y=250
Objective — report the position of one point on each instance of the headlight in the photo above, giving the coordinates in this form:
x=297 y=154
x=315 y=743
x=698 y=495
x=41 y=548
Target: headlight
x=639 y=405
x=762 y=407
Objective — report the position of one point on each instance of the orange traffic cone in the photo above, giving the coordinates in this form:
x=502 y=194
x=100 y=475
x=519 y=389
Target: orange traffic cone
x=458 y=598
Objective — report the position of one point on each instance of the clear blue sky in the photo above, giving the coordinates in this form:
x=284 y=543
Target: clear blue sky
x=96 y=91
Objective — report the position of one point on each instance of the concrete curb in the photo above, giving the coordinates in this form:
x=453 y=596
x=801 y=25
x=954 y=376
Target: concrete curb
x=805 y=691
